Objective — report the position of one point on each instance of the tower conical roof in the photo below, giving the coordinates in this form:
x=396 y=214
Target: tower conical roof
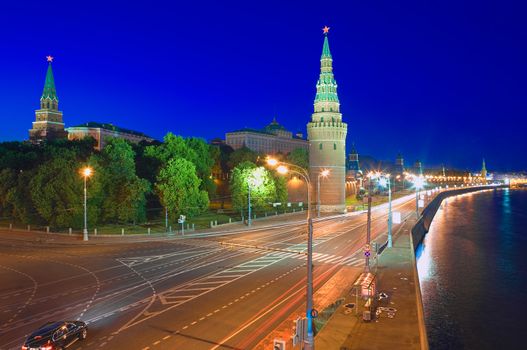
x=325 y=49
x=484 y=167
x=49 y=86
x=326 y=85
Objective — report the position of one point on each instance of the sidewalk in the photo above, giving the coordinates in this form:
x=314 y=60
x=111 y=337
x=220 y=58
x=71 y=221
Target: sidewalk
x=404 y=329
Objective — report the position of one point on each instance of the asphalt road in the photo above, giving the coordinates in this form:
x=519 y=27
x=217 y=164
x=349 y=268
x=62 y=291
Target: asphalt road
x=213 y=292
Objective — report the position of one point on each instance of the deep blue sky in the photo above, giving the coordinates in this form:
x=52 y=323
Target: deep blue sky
x=442 y=81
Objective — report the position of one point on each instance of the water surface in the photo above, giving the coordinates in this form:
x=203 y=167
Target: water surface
x=473 y=272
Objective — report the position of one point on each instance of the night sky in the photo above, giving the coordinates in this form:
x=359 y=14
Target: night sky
x=442 y=81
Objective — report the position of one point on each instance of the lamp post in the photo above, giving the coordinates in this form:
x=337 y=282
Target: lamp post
x=249 y=221
x=283 y=169
x=419 y=183
x=86 y=172
x=323 y=173
x=385 y=180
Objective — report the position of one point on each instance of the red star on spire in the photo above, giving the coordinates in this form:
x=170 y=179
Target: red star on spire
x=49 y=58
x=325 y=30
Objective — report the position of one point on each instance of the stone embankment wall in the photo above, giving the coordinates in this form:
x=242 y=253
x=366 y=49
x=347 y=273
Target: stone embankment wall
x=423 y=224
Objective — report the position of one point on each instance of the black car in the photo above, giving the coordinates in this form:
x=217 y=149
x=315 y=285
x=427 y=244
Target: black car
x=56 y=335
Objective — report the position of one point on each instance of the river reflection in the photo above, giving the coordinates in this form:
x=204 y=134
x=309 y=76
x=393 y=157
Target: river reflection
x=473 y=272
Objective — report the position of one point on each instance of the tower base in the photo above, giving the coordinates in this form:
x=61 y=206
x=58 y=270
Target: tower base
x=340 y=208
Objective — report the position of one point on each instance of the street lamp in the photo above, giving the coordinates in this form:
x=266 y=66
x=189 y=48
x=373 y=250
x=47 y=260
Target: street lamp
x=324 y=173
x=383 y=181
x=419 y=183
x=283 y=169
x=86 y=172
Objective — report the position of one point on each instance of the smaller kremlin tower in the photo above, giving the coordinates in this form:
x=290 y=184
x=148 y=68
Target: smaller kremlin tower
x=48 y=124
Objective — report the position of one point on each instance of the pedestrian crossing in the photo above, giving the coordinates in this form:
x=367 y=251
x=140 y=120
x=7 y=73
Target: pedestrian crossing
x=355 y=261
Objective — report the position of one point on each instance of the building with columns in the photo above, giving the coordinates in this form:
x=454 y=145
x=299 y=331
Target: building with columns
x=272 y=139
x=327 y=137
x=102 y=132
x=48 y=124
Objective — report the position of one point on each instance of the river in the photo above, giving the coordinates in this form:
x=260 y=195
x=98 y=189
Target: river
x=472 y=269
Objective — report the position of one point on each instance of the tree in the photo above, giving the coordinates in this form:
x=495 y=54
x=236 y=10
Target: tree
x=178 y=187
x=263 y=189
x=300 y=157
x=195 y=150
x=56 y=191
x=241 y=155
x=118 y=191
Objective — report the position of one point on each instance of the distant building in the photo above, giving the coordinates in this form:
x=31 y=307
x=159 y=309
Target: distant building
x=272 y=139
x=48 y=124
x=484 y=172
x=353 y=173
x=418 y=168
x=399 y=164
x=101 y=132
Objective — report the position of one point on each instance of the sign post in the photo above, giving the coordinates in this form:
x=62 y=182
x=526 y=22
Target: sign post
x=181 y=220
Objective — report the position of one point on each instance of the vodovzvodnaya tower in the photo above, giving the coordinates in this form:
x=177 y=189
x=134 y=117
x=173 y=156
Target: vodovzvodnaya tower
x=327 y=138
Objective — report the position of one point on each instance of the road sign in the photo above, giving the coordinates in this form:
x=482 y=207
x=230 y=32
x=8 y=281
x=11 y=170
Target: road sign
x=396 y=217
x=314 y=313
x=181 y=219
x=300 y=331
x=367 y=253
x=421 y=203
x=279 y=344
x=367 y=248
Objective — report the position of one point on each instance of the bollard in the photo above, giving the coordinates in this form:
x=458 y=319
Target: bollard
x=192 y=227
x=69 y=231
x=10 y=227
x=265 y=214
x=95 y=231
x=275 y=213
x=170 y=229
x=211 y=224
x=29 y=227
x=122 y=232
x=216 y=223
x=149 y=230
x=230 y=220
x=47 y=229
x=293 y=210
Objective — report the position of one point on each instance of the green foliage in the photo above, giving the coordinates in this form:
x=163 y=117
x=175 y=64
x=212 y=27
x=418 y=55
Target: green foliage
x=56 y=191
x=300 y=157
x=195 y=150
x=281 y=188
x=178 y=187
x=262 y=183
x=241 y=155
x=118 y=192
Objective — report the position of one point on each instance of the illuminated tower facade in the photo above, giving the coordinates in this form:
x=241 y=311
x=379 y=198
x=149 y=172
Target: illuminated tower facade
x=484 y=172
x=48 y=124
x=327 y=137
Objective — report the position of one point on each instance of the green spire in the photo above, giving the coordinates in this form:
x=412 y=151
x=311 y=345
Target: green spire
x=484 y=168
x=325 y=49
x=49 y=86
x=326 y=85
